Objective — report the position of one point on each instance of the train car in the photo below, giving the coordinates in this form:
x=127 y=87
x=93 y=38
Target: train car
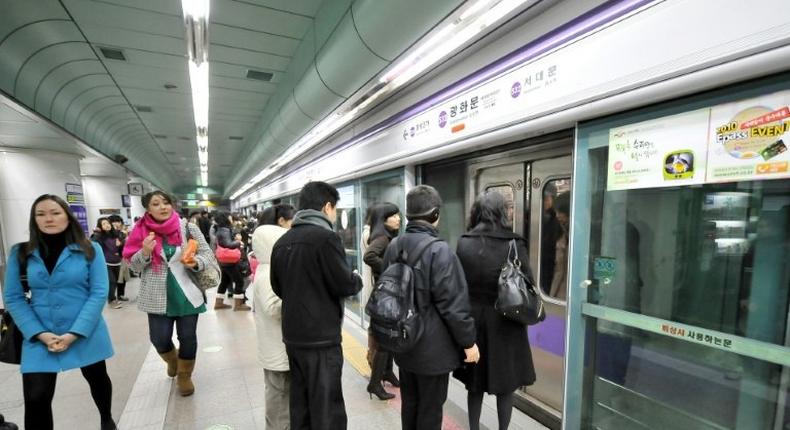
x=623 y=108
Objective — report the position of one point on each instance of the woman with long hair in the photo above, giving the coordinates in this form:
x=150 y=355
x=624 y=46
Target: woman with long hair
x=384 y=221
x=273 y=223
x=167 y=293
x=505 y=357
x=232 y=279
x=61 y=323
x=107 y=237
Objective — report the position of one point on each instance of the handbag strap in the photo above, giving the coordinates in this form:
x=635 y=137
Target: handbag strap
x=23 y=270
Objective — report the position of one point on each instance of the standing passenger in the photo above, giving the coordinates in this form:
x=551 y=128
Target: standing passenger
x=110 y=244
x=310 y=274
x=123 y=272
x=167 y=293
x=384 y=220
x=443 y=304
x=274 y=222
x=232 y=280
x=506 y=362
x=62 y=324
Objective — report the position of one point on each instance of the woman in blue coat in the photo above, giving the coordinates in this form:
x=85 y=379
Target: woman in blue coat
x=62 y=324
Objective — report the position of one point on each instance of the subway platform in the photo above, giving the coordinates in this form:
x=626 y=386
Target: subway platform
x=229 y=383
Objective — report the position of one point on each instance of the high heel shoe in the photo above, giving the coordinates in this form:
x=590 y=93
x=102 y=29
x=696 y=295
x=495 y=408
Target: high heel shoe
x=379 y=391
x=392 y=379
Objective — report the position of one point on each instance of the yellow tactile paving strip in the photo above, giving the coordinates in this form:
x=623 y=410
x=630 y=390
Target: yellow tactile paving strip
x=356 y=354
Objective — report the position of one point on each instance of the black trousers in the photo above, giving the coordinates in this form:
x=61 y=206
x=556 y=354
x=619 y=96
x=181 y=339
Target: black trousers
x=112 y=274
x=316 y=391
x=231 y=280
x=39 y=389
x=423 y=397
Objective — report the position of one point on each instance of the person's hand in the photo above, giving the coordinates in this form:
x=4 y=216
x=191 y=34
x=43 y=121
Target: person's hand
x=117 y=242
x=49 y=339
x=192 y=264
x=472 y=354
x=64 y=342
x=148 y=244
x=238 y=236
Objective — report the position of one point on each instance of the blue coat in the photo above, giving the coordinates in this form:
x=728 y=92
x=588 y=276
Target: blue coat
x=69 y=300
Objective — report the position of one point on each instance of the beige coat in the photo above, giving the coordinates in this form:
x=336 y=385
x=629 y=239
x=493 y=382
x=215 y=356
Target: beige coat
x=268 y=307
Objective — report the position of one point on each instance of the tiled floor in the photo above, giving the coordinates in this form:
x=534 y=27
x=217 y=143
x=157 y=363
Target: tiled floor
x=229 y=383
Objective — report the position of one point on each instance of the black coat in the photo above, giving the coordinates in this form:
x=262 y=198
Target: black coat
x=310 y=274
x=505 y=357
x=442 y=301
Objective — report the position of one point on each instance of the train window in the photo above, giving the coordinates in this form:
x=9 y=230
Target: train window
x=554 y=238
x=507 y=192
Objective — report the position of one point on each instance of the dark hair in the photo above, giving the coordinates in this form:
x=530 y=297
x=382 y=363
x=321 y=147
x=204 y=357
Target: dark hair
x=563 y=203
x=146 y=200
x=489 y=211
x=423 y=203
x=315 y=195
x=272 y=214
x=101 y=233
x=222 y=219
x=74 y=233
x=115 y=218
x=194 y=214
x=377 y=216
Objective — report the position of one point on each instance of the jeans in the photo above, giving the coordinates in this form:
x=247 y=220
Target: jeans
x=160 y=330
x=231 y=277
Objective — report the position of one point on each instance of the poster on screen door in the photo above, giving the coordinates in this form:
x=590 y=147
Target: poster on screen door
x=739 y=141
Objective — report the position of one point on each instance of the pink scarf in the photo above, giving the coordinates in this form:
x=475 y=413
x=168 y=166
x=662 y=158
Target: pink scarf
x=170 y=230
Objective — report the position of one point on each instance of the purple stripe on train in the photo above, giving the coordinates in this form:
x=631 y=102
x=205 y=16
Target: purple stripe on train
x=549 y=335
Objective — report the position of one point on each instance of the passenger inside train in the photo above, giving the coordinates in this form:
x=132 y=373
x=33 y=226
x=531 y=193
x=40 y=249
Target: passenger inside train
x=356 y=214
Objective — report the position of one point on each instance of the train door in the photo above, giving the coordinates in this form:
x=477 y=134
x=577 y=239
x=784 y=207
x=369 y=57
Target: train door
x=538 y=190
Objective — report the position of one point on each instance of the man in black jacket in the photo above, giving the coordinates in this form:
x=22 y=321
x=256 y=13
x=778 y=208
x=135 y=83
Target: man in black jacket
x=310 y=274
x=443 y=303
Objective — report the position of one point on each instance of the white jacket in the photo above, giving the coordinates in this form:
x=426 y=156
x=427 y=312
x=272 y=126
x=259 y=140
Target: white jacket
x=268 y=307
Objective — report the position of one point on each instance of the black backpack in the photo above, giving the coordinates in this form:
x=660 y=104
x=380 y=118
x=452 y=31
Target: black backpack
x=392 y=307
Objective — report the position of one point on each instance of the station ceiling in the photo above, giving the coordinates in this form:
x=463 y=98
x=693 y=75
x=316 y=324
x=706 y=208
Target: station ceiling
x=113 y=73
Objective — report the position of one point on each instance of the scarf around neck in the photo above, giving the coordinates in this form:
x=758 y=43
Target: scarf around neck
x=169 y=230
x=313 y=217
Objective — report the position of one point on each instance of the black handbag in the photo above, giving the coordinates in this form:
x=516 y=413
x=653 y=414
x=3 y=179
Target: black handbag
x=517 y=298
x=10 y=335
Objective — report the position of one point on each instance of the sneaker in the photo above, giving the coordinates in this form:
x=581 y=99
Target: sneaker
x=123 y=298
x=115 y=304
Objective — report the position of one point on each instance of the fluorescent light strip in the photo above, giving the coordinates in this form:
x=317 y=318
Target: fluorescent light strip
x=196 y=19
x=470 y=23
x=198 y=78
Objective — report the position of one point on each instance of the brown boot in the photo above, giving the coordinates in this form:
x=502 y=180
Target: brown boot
x=184 y=377
x=219 y=303
x=238 y=305
x=171 y=358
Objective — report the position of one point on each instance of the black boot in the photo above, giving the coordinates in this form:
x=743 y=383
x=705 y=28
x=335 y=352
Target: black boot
x=389 y=375
x=5 y=425
x=108 y=424
x=376 y=375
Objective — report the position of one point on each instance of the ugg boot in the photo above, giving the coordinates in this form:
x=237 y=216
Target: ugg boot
x=171 y=358
x=238 y=305
x=184 y=377
x=219 y=303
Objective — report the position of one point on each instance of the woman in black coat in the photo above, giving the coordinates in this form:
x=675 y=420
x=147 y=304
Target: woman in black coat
x=384 y=222
x=505 y=357
x=232 y=280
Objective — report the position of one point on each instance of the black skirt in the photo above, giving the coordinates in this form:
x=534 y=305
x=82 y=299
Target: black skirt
x=505 y=357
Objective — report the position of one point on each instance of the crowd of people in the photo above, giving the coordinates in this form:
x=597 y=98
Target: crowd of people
x=301 y=280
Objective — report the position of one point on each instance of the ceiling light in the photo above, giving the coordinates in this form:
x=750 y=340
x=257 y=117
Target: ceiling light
x=198 y=78
x=205 y=196
x=471 y=22
x=196 y=19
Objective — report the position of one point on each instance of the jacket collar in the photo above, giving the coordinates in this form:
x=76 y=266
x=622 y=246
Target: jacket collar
x=313 y=217
x=67 y=251
x=421 y=227
x=499 y=234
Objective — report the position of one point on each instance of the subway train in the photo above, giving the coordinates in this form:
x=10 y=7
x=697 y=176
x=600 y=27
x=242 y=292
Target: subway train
x=535 y=125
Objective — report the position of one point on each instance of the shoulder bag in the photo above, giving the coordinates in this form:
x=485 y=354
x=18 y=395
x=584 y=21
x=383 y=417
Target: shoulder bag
x=10 y=335
x=517 y=298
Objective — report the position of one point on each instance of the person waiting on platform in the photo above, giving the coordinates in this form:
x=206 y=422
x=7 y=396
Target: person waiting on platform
x=62 y=324
x=123 y=271
x=311 y=275
x=110 y=242
x=167 y=293
x=384 y=221
x=232 y=280
x=506 y=360
x=273 y=223
x=443 y=304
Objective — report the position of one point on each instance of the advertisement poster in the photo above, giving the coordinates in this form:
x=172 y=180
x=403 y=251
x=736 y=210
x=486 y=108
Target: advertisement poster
x=76 y=201
x=665 y=152
x=748 y=139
